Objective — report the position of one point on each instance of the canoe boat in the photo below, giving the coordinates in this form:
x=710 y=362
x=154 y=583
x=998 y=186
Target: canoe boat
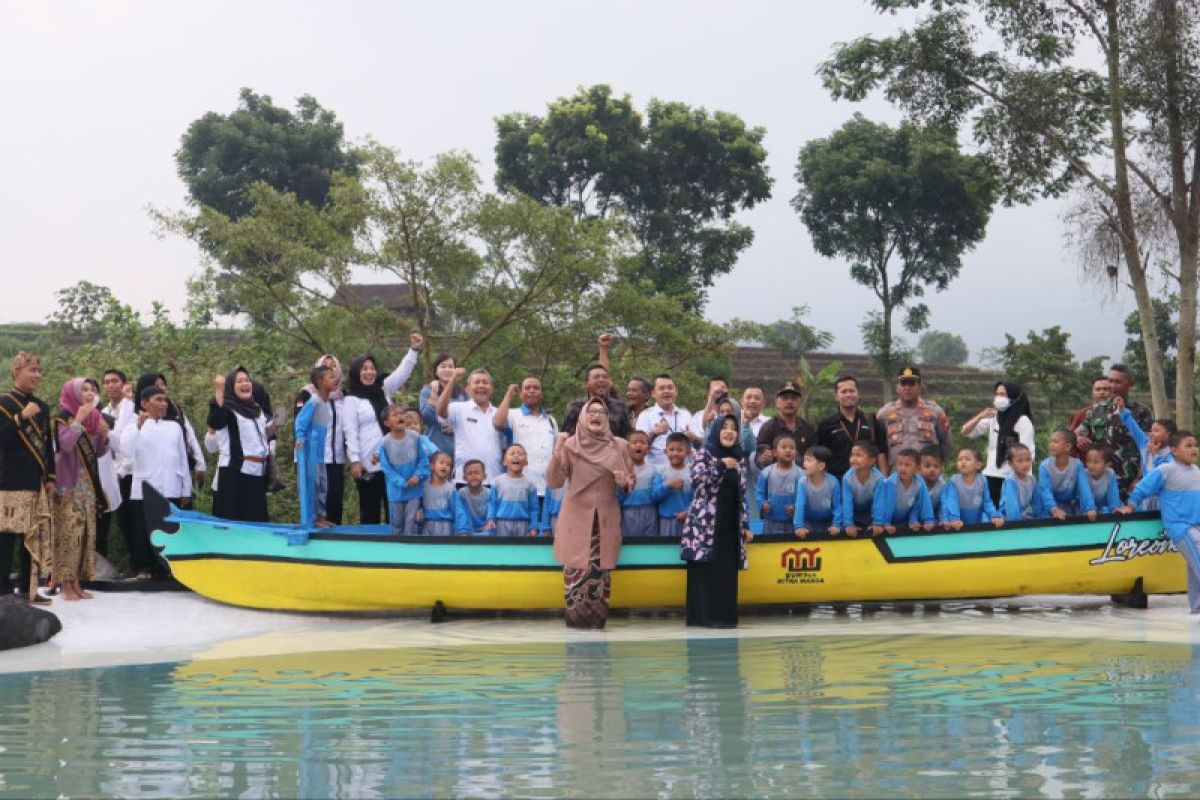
x=365 y=568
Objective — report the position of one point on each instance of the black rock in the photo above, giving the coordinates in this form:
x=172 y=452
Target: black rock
x=22 y=624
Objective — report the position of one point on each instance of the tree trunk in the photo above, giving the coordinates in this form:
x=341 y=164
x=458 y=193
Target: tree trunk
x=885 y=354
x=1125 y=217
x=1183 y=212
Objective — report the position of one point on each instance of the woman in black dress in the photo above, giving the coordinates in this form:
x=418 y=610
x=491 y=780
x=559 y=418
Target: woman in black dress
x=717 y=529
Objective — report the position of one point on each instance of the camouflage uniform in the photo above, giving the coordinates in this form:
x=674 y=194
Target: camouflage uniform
x=1102 y=424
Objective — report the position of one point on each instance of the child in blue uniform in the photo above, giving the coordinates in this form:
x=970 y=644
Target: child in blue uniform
x=639 y=516
x=1177 y=485
x=417 y=425
x=405 y=468
x=437 y=503
x=471 y=501
x=860 y=489
x=554 y=499
x=1154 y=446
x=932 y=464
x=672 y=487
x=513 y=501
x=1019 y=496
x=312 y=428
x=1062 y=480
x=966 y=499
x=905 y=502
x=776 y=489
x=1102 y=480
x=818 y=496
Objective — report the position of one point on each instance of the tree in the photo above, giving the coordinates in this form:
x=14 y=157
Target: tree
x=279 y=264
x=1046 y=368
x=1166 y=313
x=1048 y=121
x=222 y=156
x=792 y=336
x=679 y=177
x=901 y=204
x=418 y=221
x=942 y=347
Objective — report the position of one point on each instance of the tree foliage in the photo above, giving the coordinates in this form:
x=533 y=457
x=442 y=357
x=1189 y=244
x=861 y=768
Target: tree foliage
x=1046 y=368
x=222 y=156
x=943 y=348
x=792 y=336
x=901 y=205
x=678 y=176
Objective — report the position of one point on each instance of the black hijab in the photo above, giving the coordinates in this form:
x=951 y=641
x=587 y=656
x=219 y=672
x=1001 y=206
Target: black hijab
x=713 y=443
x=243 y=408
x=373 y=393
x=1018 y=406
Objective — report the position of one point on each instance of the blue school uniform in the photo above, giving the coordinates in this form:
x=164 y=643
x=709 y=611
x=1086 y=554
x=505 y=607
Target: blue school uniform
x=778 y=487
x=437 y=504
x=935 y=495
x=550 y=507
x=1178 y=489
x=818 y=508
x=470 y=510
x=1105 y=491
x=1142 y=439
x=671 y=501
x=904 y=505
x=1020 y=499
x=312 y=427
x=513 y=506
x=639 y=516
x=861 y=502
x=970 y=505
x=400 y=460
x=1066 y=488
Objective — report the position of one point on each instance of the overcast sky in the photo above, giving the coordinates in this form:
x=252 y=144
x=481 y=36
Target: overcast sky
x=96 y=96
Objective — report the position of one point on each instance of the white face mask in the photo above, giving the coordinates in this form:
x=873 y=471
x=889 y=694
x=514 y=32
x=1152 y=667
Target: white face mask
x=1001 y=402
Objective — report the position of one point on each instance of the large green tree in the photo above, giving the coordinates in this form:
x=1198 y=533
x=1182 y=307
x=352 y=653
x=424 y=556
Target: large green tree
x=942 y=347
x=221 y=156
x=1021 y=74
x=902 y=205
x=678 y=176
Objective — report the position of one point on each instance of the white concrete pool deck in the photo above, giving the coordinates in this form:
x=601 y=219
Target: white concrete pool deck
x=142 y=628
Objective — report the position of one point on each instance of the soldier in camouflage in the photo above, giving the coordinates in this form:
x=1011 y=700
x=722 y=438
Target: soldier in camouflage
x=1102 y=427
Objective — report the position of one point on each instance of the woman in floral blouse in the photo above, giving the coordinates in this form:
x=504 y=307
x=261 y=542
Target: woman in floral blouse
x=716 y=531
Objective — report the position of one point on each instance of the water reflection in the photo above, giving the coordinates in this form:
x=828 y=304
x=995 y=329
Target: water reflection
x=845 y=716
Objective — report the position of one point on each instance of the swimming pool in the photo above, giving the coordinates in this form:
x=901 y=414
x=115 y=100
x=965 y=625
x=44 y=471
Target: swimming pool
x=830 y=715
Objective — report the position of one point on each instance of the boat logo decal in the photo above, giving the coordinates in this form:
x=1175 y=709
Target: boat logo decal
x=800 y=565
x=1119 y=550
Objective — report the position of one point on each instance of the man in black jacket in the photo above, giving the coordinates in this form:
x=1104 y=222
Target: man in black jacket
x=26 y=475
x=841 y=429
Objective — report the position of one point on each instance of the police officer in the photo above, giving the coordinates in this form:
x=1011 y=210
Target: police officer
x=911 y=421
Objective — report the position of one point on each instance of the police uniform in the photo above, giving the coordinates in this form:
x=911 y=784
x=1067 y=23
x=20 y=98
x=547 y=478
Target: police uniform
x=914 y=427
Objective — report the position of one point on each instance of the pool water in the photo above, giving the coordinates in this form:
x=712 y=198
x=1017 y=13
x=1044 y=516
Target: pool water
x=834 y=715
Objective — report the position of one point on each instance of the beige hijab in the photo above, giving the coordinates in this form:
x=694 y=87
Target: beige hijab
x=596 y=455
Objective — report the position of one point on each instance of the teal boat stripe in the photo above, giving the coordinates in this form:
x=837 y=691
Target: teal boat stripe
x=195 y=538
x=1022 y=541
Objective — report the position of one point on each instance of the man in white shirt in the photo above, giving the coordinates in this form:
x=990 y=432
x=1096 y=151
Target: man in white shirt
x=718 y=388
x=158 y=451
x=754 y=398
x=120 y=408
x=664 y=418
x=473 y=422
x=530 y=426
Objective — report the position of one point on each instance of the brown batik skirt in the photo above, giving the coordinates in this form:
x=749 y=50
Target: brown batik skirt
x=586 y=591
x=28 y=513
x=74 y=539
